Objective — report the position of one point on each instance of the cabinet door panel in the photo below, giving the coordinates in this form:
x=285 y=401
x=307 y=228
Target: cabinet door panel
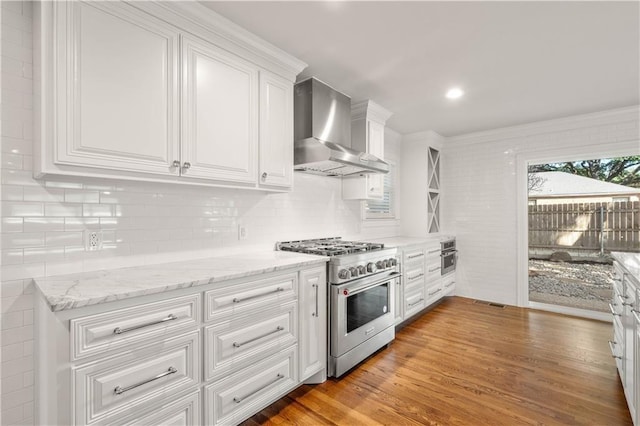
x=220 y=132
x=117 y=89
x=276 y=131
x=375 y=182
x=313 y=322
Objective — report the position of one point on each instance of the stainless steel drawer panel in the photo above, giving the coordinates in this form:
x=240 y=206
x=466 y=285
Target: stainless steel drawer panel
x=139 y=379
x=234 y=398
x=235 y=344
x=119 y=329
x=244 y=297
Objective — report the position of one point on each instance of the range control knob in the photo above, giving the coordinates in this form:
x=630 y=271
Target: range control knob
x=393 y=262
x=344 y=274
x=354 y=272
x=380 y=264
x=371 y=267
x=362 y=270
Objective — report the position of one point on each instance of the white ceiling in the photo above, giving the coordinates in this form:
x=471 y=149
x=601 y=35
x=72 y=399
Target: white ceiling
x=518 y=62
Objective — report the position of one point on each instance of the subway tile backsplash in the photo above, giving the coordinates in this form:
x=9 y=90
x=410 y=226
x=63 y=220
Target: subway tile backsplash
x=44 y=222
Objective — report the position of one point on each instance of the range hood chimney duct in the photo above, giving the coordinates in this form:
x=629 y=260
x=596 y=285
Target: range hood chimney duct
x=322 y=133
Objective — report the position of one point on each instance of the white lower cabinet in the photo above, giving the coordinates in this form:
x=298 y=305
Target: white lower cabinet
x=111 y=388
x=236 y=397
x=181 y=412
x=238 y=343
x=313 y=325
x=625 y=342
x=422 y=282
x=158 y=360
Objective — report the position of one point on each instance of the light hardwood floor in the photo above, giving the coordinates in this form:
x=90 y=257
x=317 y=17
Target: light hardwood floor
x=466 y=363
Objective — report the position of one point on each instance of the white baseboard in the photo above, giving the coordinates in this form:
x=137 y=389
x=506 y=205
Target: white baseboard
x=575 y=312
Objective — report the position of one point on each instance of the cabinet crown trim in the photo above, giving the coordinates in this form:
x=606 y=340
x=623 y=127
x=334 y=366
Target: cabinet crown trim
x=371 y=110
x=213 y=22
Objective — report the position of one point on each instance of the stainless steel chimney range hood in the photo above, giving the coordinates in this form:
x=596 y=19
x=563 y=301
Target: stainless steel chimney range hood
x=322 y=133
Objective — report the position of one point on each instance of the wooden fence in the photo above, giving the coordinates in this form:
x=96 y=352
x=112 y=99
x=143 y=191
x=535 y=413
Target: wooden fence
x=585 y=225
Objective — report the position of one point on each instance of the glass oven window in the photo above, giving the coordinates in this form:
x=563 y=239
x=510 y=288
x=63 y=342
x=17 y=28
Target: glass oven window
x=367 y=305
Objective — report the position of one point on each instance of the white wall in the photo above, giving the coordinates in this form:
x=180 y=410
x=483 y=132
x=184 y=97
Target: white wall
x=43 y=221
x=484 y=191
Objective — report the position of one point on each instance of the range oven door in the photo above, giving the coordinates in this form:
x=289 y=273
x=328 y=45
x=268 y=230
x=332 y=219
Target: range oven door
x=360 y=309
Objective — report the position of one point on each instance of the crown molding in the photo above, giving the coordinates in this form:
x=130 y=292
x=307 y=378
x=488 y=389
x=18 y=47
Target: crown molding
x=371 y=110
x=427 y=135
x=203 y=22
x=613 y=116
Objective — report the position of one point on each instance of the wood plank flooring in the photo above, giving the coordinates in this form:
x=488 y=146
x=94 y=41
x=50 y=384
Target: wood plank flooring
x=465 y=363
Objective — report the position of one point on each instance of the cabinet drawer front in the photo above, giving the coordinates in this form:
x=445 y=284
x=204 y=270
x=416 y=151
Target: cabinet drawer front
x=237 y=343
x=236 y=397
x=183 y=412
x=449 y=283
x=149 y=375
x=242 y=298
x=434 y=270
x=132 y=326
x=434 y=291
x=414 y=302
x=414 y=274
x=414 y=256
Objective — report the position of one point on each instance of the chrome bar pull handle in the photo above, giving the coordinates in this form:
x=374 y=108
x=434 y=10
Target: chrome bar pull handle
x=415 y=303
x=119 y=330
x=450 y=284
x=434 y=292
x=239 y=399
x=415 y=256
x=315 y=314
x=434 y=269
x=612 y=352
x=278 y=329
x=613 y=312
x=277 y=290
x=120 y=390
x=415 y=277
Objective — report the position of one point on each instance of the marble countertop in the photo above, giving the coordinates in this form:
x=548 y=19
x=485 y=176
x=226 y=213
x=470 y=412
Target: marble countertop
x=630 y=261
x=64 y=292
x=401 y=241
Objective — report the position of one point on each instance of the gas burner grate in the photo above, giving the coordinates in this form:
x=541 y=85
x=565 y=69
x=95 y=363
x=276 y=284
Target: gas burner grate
x=329 y=246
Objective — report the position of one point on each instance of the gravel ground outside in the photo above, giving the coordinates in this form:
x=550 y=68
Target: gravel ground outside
x=577 y=285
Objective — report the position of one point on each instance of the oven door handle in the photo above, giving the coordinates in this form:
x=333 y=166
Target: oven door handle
x=448 y=253
x=355 y=288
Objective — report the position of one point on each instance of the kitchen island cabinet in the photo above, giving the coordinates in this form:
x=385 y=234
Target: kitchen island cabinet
x=208 y=341
x=176 y=94
x=625 y=311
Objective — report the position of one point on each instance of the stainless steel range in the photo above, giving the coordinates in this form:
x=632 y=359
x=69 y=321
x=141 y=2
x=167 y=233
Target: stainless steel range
x=362 y=280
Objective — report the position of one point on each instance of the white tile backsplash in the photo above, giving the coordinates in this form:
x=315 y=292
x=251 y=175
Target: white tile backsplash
x=43 y=221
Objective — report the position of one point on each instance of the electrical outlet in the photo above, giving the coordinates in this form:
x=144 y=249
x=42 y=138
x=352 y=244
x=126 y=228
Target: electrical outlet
x=242 y=232
x=93 y=240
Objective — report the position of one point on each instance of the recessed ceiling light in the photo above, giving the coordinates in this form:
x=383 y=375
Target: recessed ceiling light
x=454 y=93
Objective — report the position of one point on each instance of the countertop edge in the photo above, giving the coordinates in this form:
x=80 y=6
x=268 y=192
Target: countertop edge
x=61 y=302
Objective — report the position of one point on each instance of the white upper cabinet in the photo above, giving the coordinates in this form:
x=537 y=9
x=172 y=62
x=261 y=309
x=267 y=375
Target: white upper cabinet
x=367 y=135
x=276 y=131
x=116 y=89
x=219 y=114
x=160 y=91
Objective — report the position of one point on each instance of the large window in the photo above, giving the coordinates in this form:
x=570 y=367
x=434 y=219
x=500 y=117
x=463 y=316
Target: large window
x=385 y=208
